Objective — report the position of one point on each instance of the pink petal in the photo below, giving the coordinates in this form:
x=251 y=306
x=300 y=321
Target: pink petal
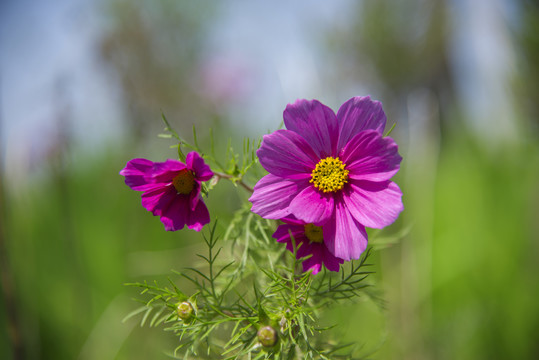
x=304 y=247
x=286 y=154
x=369 y=156
x=358 y=114
x=313 y=263
x=331 y=262
x=282 y=234
x=194 y=196
x=316 y=123
x=272 y=196
x=292 y=220
x=158 y=199
x=175 y=216
x=312 y=206
x=343 y=235
x=374 y=204
x=199 y=217
x=314 y=254
x=164 y=172
x=200 y=168
x=136 y=172
x=318 y=254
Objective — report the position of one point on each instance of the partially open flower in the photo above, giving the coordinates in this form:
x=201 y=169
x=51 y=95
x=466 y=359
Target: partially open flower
x=267 y=336
x=185 y=310
x=171 y=189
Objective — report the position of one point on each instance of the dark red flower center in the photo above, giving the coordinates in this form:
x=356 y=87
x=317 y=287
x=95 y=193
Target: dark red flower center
x=184 y=182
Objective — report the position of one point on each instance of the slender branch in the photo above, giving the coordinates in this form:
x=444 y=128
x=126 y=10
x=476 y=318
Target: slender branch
x=220 y=175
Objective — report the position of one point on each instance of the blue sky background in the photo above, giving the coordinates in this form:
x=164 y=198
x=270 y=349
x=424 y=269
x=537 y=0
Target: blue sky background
x=50 y=48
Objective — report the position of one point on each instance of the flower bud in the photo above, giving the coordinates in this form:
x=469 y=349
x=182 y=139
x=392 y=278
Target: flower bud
x=267 y=336
x=185 y=310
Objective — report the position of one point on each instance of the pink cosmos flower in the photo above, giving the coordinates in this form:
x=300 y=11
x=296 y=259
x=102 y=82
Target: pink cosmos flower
x=331 y=170
x=171 y=189
x=309 y=241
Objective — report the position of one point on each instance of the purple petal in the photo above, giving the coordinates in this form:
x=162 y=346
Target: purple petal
x=194 y=196
x=343 y=235
x=312 y=206
x=198 y=166
x=272 y=196
x=158 y=199
x=304 y=247
x=292 y=220
x=164 y=172
x=313 y=263
x=199 y=217
x=374 y=204
x=137 y=167
x=316 y=123
x=136 y=172
x=369 y=156
x=319 y=253
x=358 y=114
x=331 y=262
x=285 y=153
x=282 y=234
x=175 y=216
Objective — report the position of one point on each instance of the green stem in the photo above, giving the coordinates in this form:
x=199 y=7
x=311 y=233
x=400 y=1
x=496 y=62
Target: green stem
x=237 y=180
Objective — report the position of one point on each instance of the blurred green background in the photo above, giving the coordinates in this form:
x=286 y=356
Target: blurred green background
x=83 y=85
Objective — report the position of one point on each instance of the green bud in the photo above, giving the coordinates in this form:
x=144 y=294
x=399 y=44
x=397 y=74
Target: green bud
x=267 y=336
x=185 y=310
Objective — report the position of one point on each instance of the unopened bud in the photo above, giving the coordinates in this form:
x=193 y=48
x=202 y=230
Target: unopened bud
x=267 y=336
x=185 y=310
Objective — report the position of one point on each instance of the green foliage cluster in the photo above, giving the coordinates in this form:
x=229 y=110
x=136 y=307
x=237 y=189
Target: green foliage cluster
x=234 y=167
x=262 y=286
x=248 y=296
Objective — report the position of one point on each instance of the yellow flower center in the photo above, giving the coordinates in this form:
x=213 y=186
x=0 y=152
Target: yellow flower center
x=184 y=182
x=314 y=233
x=329 y=175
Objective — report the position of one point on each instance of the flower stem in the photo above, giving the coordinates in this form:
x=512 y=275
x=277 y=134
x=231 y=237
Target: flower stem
x=234 y=179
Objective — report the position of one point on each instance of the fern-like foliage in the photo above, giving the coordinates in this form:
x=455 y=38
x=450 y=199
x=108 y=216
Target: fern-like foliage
x=234 y=298
x=251 y=299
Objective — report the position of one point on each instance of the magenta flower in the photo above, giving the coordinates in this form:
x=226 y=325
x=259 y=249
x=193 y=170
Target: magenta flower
x=171 y=189
x=331 y=170
x=309 y=241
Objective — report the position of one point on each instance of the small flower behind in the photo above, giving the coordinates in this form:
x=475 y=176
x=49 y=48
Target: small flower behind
x=309 y=241
x=171 y=189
